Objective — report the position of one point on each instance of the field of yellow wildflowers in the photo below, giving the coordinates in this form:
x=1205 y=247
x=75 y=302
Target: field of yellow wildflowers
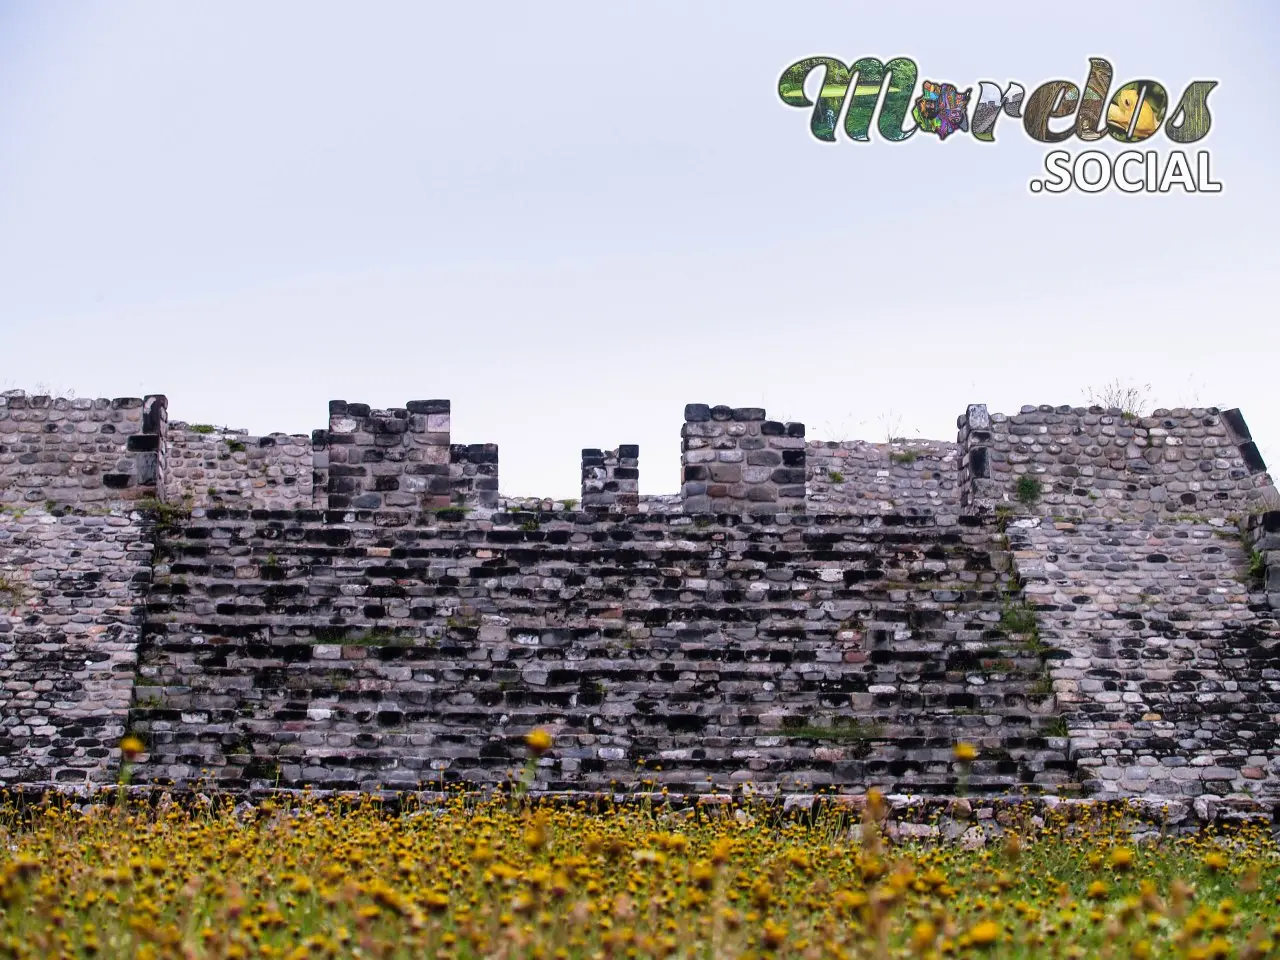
x=507 y=878
x=500 y=879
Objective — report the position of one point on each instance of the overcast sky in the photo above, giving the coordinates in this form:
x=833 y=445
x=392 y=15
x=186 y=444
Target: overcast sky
x=571 y=219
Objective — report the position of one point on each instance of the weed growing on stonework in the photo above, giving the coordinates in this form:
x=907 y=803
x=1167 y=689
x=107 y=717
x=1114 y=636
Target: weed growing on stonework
x=840 y=728
x=11 y=592
x=201 y=428
x=1028 y=490
x=377 y=637
x=1056 y=727
x=235 y=446
x=167 y=515
x=1017 y=617
x=835 y=476
x=1257 y=566
x=904 y=456
x=1042 y=689
x=1131 y=400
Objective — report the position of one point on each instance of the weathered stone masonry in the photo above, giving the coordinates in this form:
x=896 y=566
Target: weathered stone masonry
x=360 y=608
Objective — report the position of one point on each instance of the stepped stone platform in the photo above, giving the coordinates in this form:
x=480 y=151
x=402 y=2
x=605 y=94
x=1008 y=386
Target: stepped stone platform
x=1085 y=596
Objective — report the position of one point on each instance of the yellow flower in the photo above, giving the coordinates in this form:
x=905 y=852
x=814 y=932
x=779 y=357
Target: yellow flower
x=538 y=741
x=965 y=752
x=1121 y=858
x=131 y=746
x=984 y=934
x=775 y=934
x=923 y=936
x=1097 y=890
x=1216 y=861
x=876 y=806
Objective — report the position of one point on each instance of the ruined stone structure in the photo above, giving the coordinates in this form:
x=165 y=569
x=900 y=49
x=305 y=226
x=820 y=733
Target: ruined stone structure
x=1088 y=597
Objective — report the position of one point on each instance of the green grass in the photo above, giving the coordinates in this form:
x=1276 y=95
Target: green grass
x=1028 y=490
x=499 y=879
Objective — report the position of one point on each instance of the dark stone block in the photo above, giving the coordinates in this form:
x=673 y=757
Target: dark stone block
x=141 y=442
x=148 y=466
x=748 y=414
x=319 y=438
x=626 y=473
x=795 y=429
x=793 y=458
x=367 y=501
x=980 y=463
x=1252 y=457
x=1234 y=420
x=629 y=451
x=772 y=428
x=427 y=406
x=155 y=409
x=697 y=413
x=721 y=412
x=696 y=471
x=116 y=481
x=358 y=410
x=764 y=458
x=337 y=408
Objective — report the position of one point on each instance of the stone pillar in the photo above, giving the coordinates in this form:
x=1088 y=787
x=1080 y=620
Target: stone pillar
x=320 y=469
x=394 y=459
x=611 y=478
x=734 y=460
x=151 y=447
x=978 y=489
x=473 y=475
x=1263 y=536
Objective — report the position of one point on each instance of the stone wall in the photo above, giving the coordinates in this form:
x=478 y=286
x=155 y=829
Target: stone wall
x=402 y=622
x=78 y=451
x=70 y=583
x=1169 y=674
x=903 y=476
x=734 y=459
x=473 y=475
x=837 y=651
x=611 y=478
x=207 y=466
x=1096 y=462
x=396 y=458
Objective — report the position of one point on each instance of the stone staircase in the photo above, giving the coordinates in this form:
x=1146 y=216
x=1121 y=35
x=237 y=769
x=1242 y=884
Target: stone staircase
x=835 y=652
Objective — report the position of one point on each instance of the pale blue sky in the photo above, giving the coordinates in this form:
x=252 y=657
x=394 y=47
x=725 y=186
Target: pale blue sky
x=573 y=218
